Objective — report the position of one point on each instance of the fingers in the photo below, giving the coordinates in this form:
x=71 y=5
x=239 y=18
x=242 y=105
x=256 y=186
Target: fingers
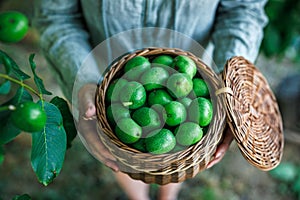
x=112 y=165
x=87 y=127
x=102 y=154
x=91 y=140
x=86 y=98
x=221 y=149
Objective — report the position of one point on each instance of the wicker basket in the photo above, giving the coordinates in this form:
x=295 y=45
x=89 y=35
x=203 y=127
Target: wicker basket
x=261 y=146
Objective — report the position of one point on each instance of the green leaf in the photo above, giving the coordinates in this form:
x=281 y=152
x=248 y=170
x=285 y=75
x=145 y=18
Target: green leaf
x=49 y=146
x=8 y=130
x=6 y=62
x=272 y=9
x=68 y=120
x=286 y=172
x=296 y=185
x=209 y=193
x=12 y=67
x=1 y=155
x=38 y=81
x=271 y=43
x=5 y=87
x=22 y=197
x=22 y=95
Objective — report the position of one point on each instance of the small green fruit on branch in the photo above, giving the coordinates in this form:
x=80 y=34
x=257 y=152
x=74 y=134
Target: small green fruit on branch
x=29 y=117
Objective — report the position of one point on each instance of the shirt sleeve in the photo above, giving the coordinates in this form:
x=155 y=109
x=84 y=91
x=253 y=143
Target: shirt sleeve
x=63 y=38
x=238 y=30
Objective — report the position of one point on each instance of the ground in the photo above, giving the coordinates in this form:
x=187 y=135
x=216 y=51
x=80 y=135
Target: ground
x=84 y=178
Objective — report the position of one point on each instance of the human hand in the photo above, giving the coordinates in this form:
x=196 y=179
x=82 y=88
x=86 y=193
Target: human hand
x=222 y=148
x=87 y=127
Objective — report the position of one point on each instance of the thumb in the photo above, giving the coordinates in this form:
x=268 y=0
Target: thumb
x=86 y=99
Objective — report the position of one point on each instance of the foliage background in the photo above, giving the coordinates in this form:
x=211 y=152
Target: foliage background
x=282 y=33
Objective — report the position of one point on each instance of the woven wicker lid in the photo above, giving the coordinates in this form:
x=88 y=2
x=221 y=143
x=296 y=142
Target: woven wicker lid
x=253 y=114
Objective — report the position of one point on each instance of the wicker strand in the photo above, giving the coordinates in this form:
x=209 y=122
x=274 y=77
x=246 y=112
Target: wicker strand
x=224 y=90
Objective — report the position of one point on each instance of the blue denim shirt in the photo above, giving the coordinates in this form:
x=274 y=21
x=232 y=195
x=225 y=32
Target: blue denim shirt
x=70 y=29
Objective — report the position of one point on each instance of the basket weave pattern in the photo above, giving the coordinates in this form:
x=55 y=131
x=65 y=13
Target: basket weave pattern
x=170 y=167
x=254 y=114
